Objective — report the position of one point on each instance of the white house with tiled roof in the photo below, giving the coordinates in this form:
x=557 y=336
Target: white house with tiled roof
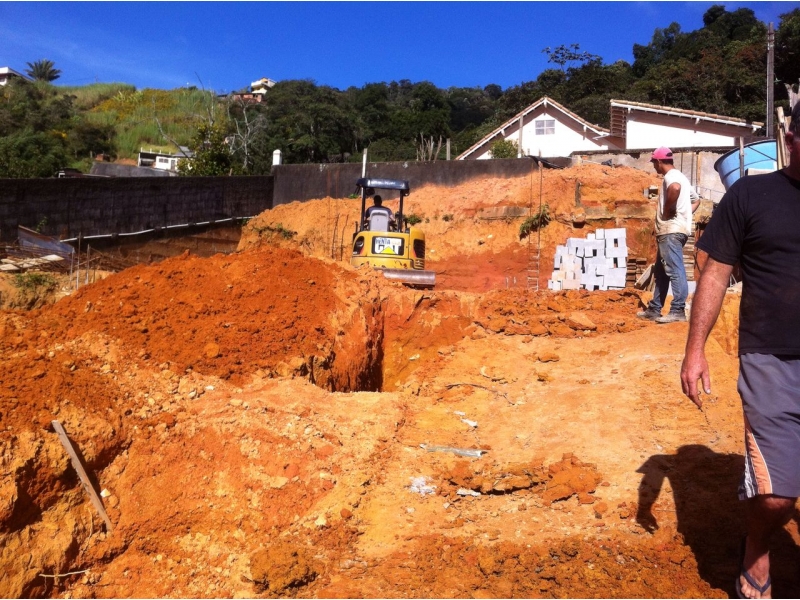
x=644 y=126
x=546 y=129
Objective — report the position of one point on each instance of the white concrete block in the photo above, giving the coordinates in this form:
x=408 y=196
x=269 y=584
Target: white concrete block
x=571 y=284
x=595 y=248
x=616 y=233
x=553 y=285
x=621 y=252
x=600 y=234
x=590 y=237
x=591 y=282
x=591 y=265
x=616 y=277
x=575 y=246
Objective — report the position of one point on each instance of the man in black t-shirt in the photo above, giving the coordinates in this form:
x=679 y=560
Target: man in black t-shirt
x=757 y=224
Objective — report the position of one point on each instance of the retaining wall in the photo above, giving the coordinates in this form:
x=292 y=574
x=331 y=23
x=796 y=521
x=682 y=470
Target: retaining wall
x=306 y=182
x=697 y=165
x=67 y=208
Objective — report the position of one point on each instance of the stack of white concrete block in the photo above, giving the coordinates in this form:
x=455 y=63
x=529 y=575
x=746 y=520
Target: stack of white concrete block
x=599 y=262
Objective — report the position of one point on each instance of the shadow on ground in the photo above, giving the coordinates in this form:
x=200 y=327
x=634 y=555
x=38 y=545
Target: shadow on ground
x=711 y=517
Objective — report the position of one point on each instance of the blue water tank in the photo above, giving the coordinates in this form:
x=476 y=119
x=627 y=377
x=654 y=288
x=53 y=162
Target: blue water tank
x=761 y=155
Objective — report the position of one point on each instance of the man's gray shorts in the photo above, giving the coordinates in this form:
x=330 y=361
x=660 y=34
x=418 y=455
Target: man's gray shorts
x=770 y=389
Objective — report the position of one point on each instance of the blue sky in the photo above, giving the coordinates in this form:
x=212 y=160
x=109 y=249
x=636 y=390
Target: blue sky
x=226 y=45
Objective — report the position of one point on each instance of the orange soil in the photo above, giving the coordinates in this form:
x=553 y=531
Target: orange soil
x=257 y=422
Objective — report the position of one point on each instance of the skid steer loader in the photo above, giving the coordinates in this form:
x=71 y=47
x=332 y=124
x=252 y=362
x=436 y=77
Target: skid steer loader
x=397 y=250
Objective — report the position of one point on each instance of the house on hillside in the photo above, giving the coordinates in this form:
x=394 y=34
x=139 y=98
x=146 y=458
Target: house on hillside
x=158 y=159
x=546 y=129
x=262 y=85
x=258 y=90
x=549 y=130
x=7 y=73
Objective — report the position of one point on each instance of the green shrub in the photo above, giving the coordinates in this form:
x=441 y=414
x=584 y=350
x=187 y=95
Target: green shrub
x=412 y=219
x=277 y=229
x=504 y=149
x=35 y=283
x=535 y=221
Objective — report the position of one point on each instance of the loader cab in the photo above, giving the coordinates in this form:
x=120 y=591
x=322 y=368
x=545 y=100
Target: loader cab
x=386 y=243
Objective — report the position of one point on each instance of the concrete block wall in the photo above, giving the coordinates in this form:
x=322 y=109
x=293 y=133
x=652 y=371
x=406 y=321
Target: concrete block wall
x=67 y=208
x=598 y=262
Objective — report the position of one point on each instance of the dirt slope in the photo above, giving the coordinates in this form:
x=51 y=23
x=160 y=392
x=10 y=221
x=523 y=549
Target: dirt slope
x=273 y=424
x=470 y=245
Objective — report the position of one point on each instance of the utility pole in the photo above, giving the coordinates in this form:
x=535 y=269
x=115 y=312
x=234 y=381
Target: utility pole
x=770 y=80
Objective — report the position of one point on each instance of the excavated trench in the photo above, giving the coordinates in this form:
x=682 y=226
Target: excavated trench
x=187 y=387
x=126 y=364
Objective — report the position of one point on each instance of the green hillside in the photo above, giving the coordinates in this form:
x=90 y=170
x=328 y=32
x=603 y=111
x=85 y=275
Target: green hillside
x=719 y=68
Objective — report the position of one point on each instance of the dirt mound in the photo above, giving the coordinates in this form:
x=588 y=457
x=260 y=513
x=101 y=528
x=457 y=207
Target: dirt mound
x=471 y=245
x=448 y=567
x=277 y=424
x=559 y=481
x=128 y=352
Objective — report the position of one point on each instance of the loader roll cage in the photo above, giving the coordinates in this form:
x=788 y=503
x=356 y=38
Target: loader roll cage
x=368 y=187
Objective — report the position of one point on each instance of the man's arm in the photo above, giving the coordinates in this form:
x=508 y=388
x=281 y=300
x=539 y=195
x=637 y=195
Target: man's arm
x=705 y=310
x=671 y=201
x=695 y=199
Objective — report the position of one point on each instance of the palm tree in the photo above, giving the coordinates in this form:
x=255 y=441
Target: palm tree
x=43 y=70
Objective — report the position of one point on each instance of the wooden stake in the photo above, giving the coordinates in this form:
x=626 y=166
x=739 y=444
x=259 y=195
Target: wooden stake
x=78 y=465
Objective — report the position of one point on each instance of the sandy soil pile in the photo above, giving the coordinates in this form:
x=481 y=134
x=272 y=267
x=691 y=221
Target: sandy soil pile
x=273 y=424
x=469 y=244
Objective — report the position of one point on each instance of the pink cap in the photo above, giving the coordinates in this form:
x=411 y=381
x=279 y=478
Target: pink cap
x=662 y=153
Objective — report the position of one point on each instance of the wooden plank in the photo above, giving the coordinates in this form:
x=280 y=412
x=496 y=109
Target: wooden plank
x=78 y=465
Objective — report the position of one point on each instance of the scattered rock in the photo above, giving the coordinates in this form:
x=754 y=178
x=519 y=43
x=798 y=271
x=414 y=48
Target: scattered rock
x=579 y=322
x=282 y=567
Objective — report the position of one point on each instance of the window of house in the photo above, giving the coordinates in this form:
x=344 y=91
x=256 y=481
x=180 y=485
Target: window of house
x=545 y=126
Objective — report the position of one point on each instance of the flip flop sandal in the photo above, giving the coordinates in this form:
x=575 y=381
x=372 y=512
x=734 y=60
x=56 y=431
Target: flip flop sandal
x=749 y=578
x=760 y=588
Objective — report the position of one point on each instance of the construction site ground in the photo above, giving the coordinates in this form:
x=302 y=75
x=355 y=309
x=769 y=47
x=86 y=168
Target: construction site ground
x=274 y=423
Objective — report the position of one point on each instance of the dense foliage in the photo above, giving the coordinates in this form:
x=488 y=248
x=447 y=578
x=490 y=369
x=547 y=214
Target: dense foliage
x=719 y=68
x=42 y=132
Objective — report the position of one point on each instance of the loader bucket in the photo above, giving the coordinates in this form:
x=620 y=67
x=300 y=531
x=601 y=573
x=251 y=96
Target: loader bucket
x=426 y=279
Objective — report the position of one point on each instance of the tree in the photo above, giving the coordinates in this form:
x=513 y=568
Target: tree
x=646 y=57
x=43 y=70
x=35 y=122
x=212 y=155
x=787 y=51
x=247 y=121
x=85 y=140
x=561 y=55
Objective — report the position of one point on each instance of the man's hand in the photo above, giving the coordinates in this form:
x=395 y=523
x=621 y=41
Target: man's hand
x=705 y=309
x=694 y=368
